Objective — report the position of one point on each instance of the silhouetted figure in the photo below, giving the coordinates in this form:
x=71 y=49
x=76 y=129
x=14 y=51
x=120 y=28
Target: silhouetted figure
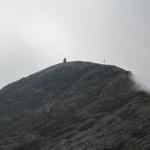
x=104 y=61
x=65 y=60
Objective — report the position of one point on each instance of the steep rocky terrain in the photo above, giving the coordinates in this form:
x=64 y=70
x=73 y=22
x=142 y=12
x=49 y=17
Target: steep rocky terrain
x=75 y=106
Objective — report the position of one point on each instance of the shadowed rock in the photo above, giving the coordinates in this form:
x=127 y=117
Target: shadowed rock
x=75 y=106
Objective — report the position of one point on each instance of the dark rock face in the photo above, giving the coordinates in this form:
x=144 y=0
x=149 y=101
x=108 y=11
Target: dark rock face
x=75 y=106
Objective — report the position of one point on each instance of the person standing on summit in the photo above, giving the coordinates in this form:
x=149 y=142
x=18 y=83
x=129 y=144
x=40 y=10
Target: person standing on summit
x=65 y=60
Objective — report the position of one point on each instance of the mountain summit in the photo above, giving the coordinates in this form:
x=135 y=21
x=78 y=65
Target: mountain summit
x=75 y=106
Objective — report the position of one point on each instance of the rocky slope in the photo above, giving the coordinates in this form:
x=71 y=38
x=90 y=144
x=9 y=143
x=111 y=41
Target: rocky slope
x=75 y=106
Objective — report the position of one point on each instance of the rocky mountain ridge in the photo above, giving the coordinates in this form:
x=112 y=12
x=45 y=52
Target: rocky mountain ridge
x=75 y=106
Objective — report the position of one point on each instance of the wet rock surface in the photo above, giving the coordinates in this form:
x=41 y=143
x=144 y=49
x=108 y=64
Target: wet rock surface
x=75 y=106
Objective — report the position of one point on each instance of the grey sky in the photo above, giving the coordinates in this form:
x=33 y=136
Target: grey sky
x=35 y=34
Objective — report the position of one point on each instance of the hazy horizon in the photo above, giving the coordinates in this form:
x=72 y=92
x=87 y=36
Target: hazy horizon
x=36 y=34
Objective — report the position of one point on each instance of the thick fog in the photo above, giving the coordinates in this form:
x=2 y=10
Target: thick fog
x=35 y=34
